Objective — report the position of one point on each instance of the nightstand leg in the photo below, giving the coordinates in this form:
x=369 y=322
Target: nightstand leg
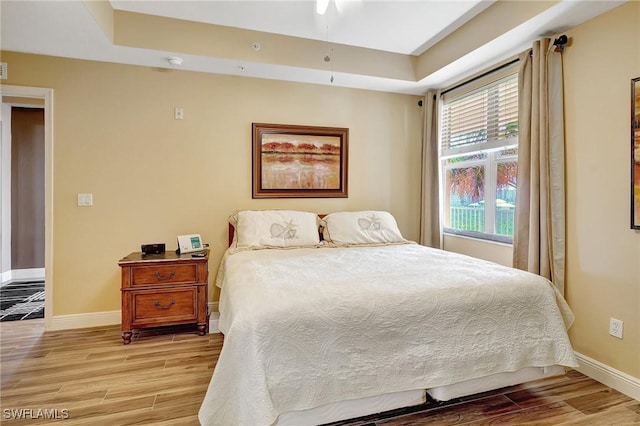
x=202 y=329
x=126 y=337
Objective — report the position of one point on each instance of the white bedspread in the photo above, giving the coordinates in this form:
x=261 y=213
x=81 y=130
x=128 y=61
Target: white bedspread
x=305 y=327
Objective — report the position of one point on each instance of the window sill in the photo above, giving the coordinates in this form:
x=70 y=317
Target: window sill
x=491 y=251
x=480 y=236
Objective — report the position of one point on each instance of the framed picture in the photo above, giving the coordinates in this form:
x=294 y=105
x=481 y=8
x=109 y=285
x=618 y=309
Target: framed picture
x=635 y=153
x=292 y=161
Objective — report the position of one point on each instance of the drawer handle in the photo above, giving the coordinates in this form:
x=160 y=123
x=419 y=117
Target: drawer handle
x=159 y=306
x=165 y=277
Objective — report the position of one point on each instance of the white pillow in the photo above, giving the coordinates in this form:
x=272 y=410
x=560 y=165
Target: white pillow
x=361 y=227
x=274 y=228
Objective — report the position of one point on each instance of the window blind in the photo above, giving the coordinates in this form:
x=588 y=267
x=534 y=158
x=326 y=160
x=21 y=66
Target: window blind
x=482 y=119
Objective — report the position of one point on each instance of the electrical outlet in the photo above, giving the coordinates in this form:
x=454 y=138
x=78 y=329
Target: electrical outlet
x=615 y=327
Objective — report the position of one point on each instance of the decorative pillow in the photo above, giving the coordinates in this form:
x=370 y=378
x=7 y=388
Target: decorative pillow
x=362 y=227
x=274 y=228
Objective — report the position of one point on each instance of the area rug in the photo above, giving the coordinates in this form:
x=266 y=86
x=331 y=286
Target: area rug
x=22 y=300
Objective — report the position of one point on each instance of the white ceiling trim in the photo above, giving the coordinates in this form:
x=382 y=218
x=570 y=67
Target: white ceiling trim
x=67 y=29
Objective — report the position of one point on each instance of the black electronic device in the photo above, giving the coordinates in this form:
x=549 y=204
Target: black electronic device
x=158 y=248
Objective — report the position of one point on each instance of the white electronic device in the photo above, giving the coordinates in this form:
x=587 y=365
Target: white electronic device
x=190 y=243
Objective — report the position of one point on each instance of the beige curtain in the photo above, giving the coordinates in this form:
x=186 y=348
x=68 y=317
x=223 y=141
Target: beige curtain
x=539 y=234
x=430 y=229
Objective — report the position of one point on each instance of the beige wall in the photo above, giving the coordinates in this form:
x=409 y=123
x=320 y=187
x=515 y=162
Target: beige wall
x=603 y=263
x=488 y=250
x=153 y=177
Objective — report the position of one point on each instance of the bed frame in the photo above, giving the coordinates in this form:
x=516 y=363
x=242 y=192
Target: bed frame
x=350 y=409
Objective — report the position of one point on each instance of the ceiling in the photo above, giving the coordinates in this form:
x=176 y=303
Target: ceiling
x=396 y=46
x=394 y=26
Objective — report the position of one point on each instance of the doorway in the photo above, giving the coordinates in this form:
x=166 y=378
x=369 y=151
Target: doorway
x=19 y=258
x=23 y=293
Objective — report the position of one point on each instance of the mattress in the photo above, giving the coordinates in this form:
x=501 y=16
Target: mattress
x=314 y=326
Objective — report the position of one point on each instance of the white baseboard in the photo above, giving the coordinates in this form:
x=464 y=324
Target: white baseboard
x=213 y=322
x=22 y=274
x=99 y=319
x=214 y=317
x=92 y=319
x=622 y=382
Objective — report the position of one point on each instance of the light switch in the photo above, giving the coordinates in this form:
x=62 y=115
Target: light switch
x=179 y=114
x=85 y=200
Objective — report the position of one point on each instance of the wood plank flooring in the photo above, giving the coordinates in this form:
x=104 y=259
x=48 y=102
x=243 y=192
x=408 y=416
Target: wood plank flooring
x=89 y=377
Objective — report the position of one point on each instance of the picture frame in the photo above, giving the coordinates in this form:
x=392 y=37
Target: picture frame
x=295 y=161
x=635 y=153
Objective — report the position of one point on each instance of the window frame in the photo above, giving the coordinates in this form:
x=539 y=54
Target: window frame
x=490 y=163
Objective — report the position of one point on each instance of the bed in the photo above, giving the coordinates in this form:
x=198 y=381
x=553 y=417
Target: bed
x=362 y=321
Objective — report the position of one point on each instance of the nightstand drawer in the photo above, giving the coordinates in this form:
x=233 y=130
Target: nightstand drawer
x=171 y=306
x=166 y=274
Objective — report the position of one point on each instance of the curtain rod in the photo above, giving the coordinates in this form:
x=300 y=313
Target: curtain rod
x=484 y=74
x=559 y=42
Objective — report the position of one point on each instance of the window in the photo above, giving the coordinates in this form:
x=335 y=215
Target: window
x=479 y=157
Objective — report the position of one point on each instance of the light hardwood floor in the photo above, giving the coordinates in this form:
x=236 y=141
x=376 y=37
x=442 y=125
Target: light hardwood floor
x=161 y=380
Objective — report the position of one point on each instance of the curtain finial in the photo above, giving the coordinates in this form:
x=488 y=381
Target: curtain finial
x=559 y=43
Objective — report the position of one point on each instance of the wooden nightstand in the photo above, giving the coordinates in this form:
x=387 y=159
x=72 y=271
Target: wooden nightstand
x=164 y=289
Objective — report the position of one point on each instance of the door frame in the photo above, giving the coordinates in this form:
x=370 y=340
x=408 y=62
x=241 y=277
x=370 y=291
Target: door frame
x=47 y=95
